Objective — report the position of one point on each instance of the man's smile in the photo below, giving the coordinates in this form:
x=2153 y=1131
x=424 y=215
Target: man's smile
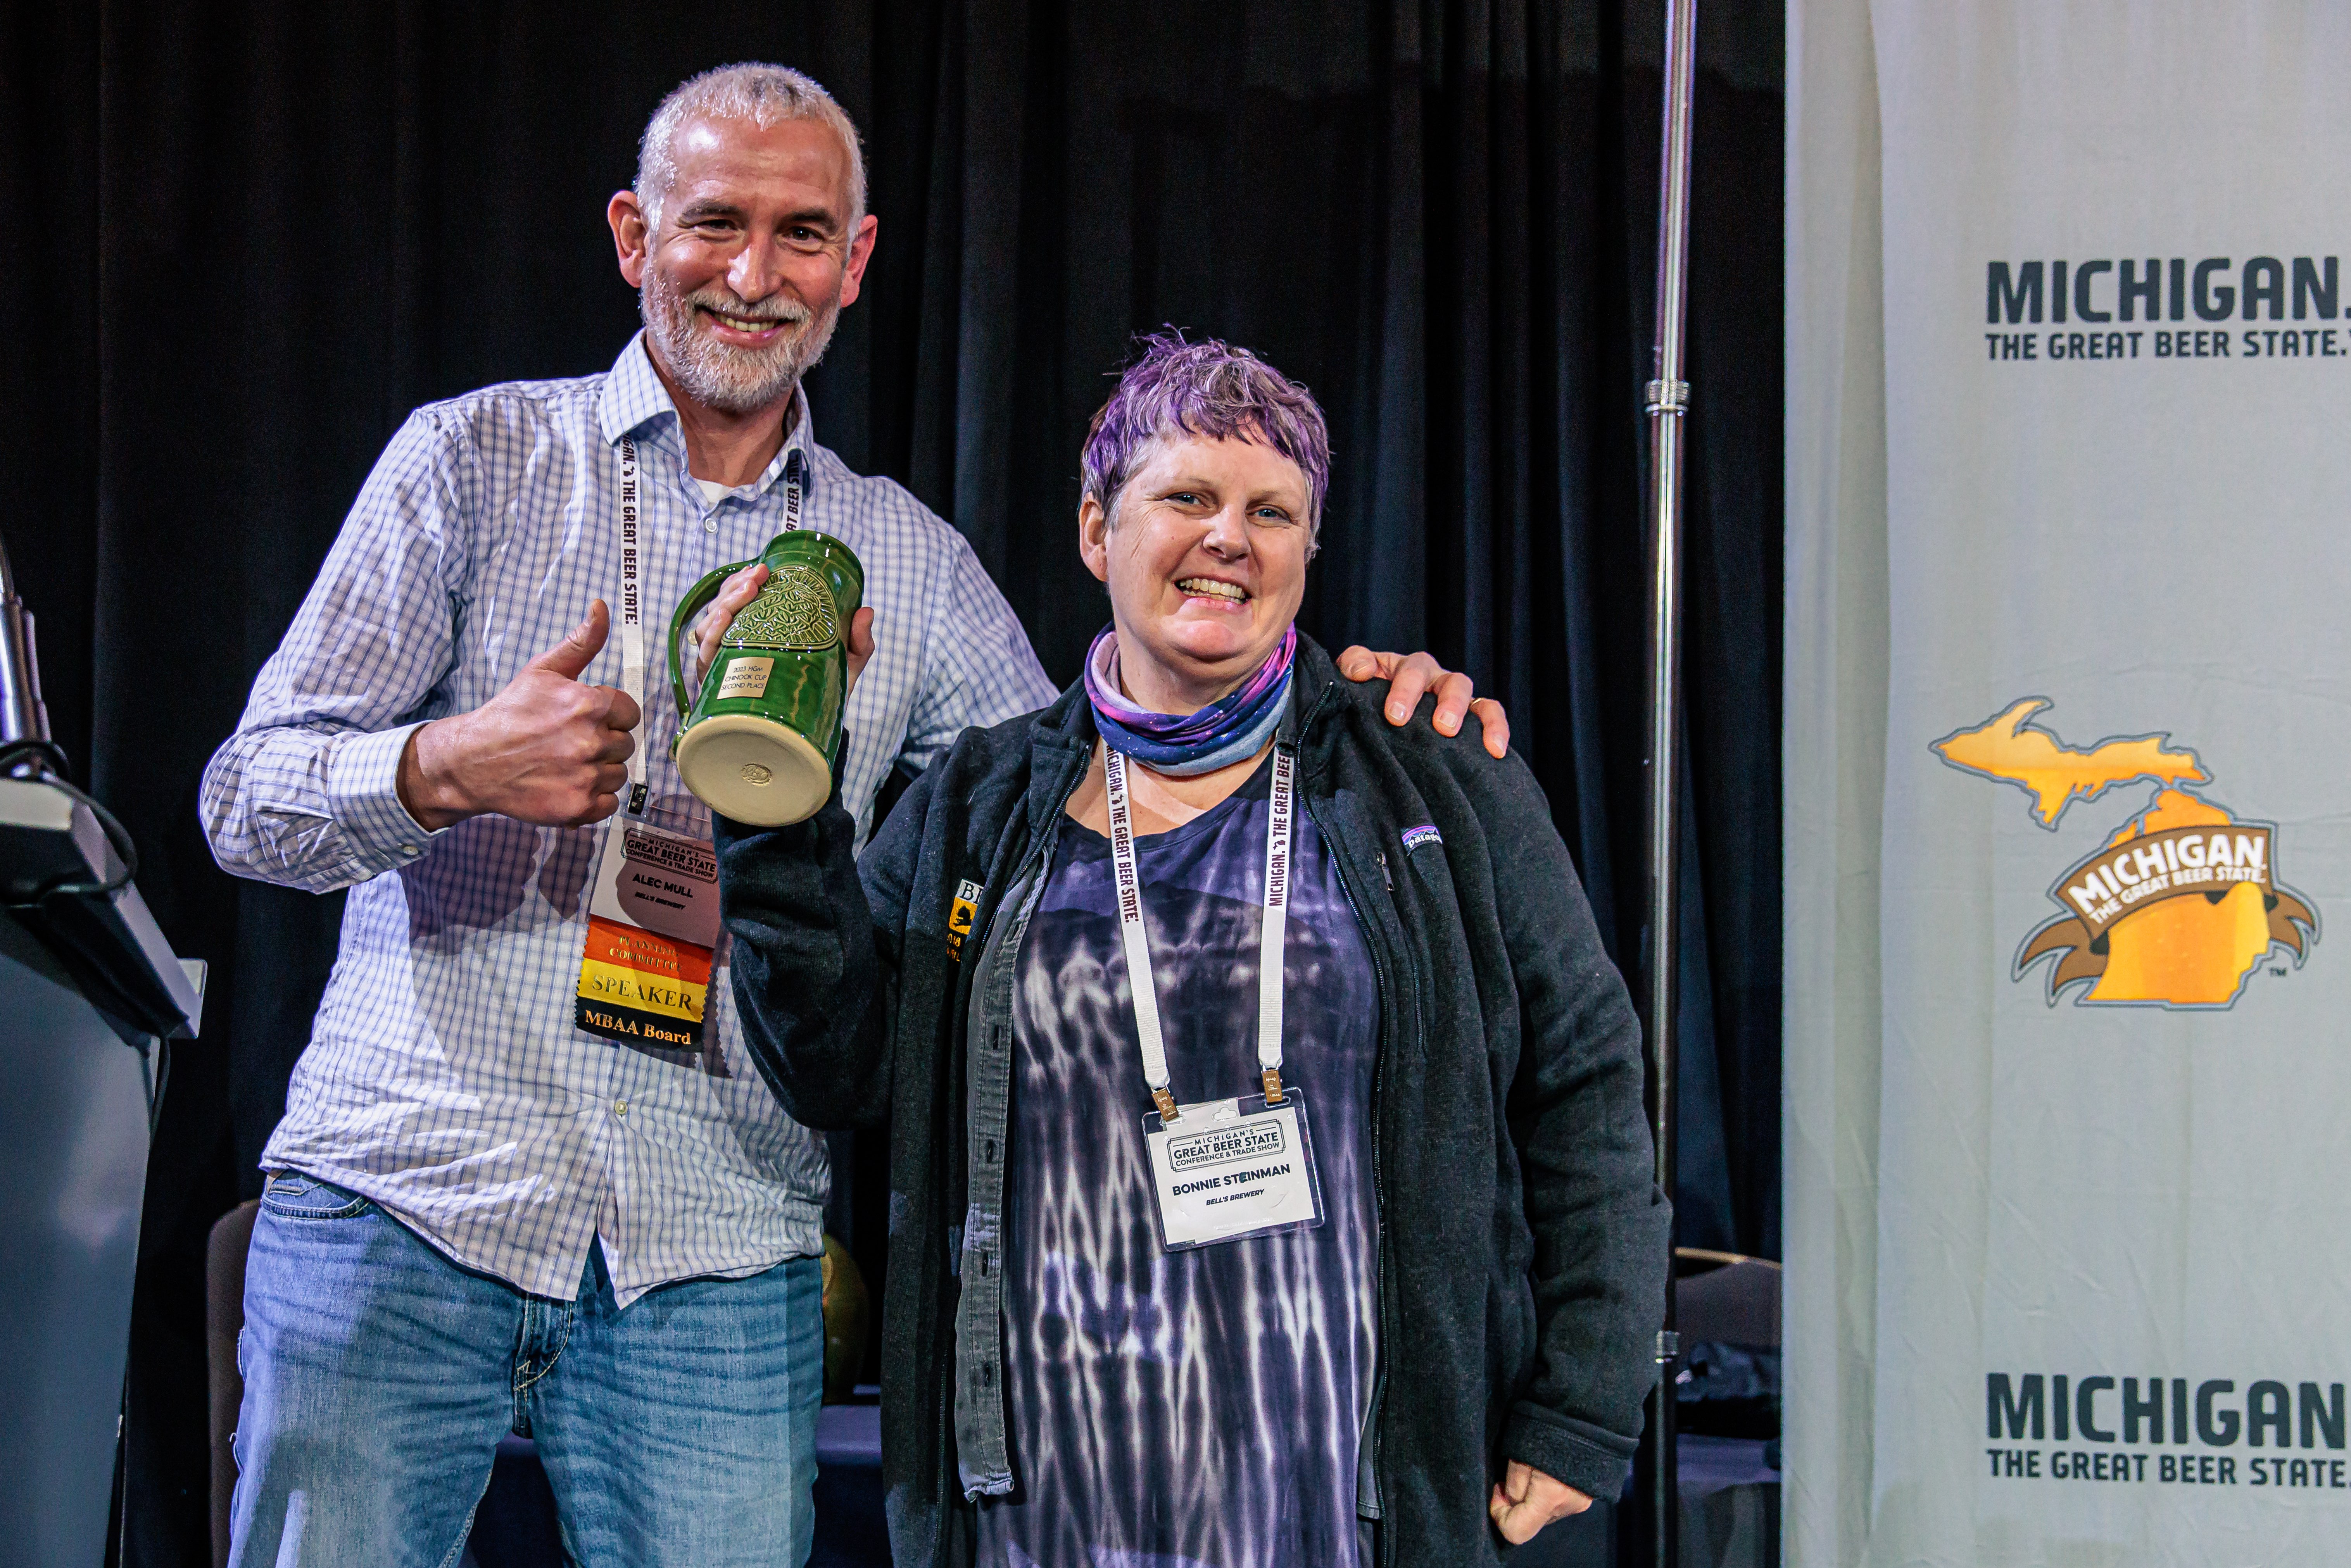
x=761 y=330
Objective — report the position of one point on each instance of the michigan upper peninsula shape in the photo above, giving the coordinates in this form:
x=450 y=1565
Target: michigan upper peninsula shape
x=2008 y=748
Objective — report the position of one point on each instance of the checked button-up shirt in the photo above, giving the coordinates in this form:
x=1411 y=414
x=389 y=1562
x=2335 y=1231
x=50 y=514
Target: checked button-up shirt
x=444 y=1078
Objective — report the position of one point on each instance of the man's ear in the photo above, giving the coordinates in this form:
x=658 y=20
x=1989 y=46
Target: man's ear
x=1093 y=538
x=631 y=242
x=860 y=251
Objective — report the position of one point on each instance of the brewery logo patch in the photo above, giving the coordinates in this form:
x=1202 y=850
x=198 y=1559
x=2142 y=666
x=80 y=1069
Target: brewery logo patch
x=2179 y=907
x=960 y=915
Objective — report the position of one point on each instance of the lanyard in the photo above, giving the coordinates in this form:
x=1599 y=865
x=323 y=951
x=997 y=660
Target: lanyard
x=633 y=627
x=1138 y=945
x=792 y=491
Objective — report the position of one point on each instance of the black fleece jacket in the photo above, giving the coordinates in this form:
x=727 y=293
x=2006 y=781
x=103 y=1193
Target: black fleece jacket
x=1522 y=1241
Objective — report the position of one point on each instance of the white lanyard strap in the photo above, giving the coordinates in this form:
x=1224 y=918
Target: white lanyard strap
x=632 y=628
x=1138 y=945
x=792 y=491
x=1274 y=926
x=1130 y=929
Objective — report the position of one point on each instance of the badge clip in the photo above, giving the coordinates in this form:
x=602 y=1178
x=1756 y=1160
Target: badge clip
x=1165 y=1099
x=1273 y=1085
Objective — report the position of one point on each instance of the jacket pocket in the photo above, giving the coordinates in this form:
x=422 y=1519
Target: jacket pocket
x=290 y=1195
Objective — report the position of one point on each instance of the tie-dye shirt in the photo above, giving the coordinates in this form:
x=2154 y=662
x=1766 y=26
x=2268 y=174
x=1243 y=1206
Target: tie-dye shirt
x=1201 y=1409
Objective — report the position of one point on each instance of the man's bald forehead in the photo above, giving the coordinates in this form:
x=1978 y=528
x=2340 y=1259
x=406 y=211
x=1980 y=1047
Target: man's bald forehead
x=698 y=134
x=733 y=166
x=702 y=112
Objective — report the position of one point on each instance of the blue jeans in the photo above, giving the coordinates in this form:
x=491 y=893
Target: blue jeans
x=379 y=1377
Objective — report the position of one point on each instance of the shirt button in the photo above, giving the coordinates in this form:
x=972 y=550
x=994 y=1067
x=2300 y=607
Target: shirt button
x=620 y=1107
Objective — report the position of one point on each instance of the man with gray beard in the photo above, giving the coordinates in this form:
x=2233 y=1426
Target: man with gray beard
x=490 y=1205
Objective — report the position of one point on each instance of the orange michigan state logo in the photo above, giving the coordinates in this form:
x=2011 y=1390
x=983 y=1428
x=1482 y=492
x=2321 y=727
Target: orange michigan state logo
x=2181 y=903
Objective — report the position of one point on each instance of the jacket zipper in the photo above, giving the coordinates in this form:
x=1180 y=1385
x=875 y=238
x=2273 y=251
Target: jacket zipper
x=1388 y=1336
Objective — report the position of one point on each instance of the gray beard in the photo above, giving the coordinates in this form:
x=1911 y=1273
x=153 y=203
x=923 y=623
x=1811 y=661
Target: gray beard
x=718 y=375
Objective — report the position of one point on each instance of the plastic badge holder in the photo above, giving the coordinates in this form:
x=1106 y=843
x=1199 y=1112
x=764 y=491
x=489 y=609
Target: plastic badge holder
x=1202 y=1162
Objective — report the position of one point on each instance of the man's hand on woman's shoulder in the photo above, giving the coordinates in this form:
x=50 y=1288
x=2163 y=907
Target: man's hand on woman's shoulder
x=1412 y=677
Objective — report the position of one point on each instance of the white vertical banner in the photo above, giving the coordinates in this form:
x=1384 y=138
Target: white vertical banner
x=2112 y=1321
x=1833 y=750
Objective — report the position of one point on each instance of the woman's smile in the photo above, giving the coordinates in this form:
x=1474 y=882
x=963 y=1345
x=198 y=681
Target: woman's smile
x=1214 y=592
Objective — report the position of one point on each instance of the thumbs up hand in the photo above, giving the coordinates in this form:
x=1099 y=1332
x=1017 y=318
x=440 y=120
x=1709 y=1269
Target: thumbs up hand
x=545 y=751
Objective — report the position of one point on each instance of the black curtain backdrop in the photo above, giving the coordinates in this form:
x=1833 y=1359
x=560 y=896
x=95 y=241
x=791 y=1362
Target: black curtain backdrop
x=247 y=238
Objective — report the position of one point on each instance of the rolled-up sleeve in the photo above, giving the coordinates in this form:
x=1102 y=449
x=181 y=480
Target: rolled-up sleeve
x=305 y=793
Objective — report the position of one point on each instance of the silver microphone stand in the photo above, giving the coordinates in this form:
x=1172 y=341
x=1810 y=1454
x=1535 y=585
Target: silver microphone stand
x=1668 y=404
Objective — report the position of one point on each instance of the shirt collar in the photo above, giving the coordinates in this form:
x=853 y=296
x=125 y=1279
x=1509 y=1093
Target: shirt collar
x=633 y=397
x=801 y=440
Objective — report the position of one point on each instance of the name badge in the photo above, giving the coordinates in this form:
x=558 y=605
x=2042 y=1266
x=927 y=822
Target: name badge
x=1227 y=1169
x=653 y=923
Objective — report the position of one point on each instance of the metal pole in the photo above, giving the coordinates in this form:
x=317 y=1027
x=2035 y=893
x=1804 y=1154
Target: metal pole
x=23 y=718
x=1668 y=401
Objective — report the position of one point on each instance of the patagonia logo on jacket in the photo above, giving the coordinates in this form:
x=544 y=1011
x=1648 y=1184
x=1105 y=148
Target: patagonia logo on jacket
x=1426 y=834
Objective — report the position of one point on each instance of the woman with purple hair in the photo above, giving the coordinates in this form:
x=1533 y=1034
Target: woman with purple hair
x=1269 y=1184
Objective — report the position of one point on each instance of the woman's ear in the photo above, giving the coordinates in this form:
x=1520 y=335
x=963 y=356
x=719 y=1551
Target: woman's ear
x=1093 y=538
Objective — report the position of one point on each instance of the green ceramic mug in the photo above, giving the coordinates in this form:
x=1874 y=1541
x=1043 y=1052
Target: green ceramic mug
x=759 y=742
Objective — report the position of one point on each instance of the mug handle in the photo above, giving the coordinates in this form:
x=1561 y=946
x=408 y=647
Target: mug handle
x=696 y=596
